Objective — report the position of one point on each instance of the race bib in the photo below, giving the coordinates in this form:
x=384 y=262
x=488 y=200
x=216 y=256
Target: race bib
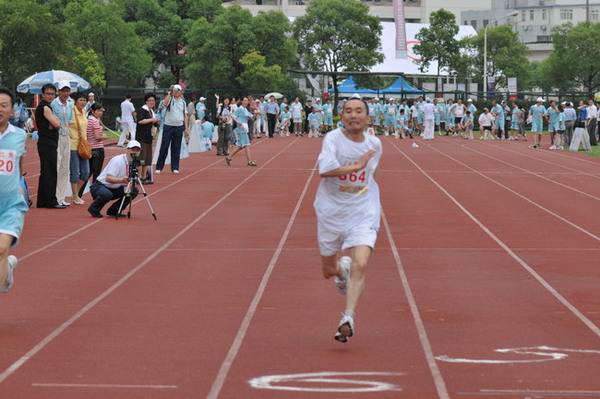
x=8 y=162
x=391 y=110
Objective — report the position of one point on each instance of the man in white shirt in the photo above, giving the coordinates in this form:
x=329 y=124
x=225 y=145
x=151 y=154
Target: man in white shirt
x=127 y=121
x=429 y=120
x=347 y=206
x=112 y=181
x=592 y=115
x=175 y=126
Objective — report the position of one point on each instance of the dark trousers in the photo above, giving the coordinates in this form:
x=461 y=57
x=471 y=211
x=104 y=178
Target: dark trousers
x=272 y=121
x=171 y=137
x=568 y=135
x=223 y=140
x=102 y=194
x=47 y=149
x=592 y=131
x=96 y=163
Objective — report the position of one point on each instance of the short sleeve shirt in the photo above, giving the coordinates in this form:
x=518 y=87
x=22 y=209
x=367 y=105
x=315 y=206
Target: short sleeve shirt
x=127 y=110
x=175 y=115
x=345 y=202
x=12 y=148
x=117 y=167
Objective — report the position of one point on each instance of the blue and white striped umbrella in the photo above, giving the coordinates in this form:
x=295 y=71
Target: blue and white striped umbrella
x=34 y=83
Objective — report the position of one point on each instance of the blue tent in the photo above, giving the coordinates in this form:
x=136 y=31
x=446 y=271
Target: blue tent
x=400 y=85
x=349 y=86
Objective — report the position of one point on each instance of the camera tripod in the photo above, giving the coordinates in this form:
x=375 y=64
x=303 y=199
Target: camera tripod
x=133 y=181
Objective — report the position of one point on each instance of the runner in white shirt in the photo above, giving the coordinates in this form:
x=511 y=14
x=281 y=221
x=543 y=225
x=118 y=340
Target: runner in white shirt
x=127 y=121
x=347 y=206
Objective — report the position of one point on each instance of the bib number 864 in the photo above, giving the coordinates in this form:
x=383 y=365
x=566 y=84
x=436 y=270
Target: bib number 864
x=353 y=177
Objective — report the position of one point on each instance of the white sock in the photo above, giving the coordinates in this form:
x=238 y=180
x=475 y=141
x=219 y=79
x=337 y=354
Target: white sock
x=350 y=313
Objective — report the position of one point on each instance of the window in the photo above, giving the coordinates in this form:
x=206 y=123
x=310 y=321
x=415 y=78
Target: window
x=566 y=15
x=531 y=15
x=544 y=14
x=474 y=24
x=594 y=15
x=486 y=22
x=522 y=15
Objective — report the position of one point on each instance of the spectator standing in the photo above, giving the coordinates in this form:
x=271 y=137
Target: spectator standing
x=201 y=108
x=174 y=128
x=296 y=111
x=95 y=136
x=225 y=127
x=47 y=145
x=62 y=107
x=79 y=167
x=91 y=101
x=307 y=111
x=127 y=121
x=592 y=115
x=537 y=111
x=570 y=118
x=272 y=111
x=147 y=119
x=191 y=111
x=428 y=120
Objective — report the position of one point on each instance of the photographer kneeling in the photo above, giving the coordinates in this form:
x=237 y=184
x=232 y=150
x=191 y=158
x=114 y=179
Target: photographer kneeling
x=112 y=181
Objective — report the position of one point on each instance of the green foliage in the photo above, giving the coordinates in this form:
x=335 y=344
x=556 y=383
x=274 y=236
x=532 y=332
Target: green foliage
x=374 y=82
x=257 y=75
x=506 y=55
x=437 y=43
x=336 y=35
x=215 y=50
x=31 y=40
x=123 y=53
x=87 y=65
x=574 y=62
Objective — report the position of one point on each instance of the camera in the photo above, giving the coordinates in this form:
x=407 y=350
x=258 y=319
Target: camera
x=133 y=166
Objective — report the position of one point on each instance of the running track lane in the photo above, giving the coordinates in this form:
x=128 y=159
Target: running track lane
x=485 y=300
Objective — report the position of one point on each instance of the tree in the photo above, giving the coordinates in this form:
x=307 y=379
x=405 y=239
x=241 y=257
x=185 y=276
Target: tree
x=86 y=63
x=31 y=40
x=573 y=61
x=96 y=25
x=506 y=55
x=438 y=43
x=257 y=75
x=338 y=35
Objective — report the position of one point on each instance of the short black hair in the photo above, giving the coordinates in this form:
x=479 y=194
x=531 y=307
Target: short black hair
x=48 y=86
x=127 y=96
x=4 y=90
x=96 y=106
x=148 y=95
x=78 y=94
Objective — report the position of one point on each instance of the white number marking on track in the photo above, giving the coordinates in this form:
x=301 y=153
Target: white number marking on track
x=325 y=378
x=546 y=353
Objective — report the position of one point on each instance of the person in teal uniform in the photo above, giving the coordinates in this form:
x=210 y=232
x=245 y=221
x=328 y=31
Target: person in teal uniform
x=537 y=112
x=285 y=117
x=313 y=123
x=560 y=129
x=552 y=119
x=241 y=116
x=449 y=117
x=377 y=110
x=328 y=112
x=515 y=114
x=389 y=112
x=498 y=114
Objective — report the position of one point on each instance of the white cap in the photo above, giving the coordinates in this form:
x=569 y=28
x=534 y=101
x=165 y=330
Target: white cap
x=540 y=100
x=355 y=95
x=390 y=99
x=563 y=103
x=427 y=99
x=177 y=87
x=470 y=100
x=202 y=98
x=63 y=83
x=90 y=94
x=134 y=143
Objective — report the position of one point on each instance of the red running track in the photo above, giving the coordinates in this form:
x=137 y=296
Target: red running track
x=484 y=283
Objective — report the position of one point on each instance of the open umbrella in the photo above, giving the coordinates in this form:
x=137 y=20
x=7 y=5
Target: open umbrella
x=274 y=94
x=34 y=83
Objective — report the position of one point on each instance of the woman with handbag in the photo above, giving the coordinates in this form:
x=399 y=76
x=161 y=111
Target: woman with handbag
x=80 y=148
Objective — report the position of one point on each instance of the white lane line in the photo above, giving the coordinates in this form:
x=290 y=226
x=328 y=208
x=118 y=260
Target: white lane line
x=118 y=386
x=138 y=200
x=520 y=261
x=556 y=215
x=438 y=379
x=239 y=338
x=578 y=172
x=43 y=343
x=530 y=172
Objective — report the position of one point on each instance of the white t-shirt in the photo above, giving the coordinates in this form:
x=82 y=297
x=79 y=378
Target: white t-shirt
x=486 y=119
x=459 y=110
x=117 y=167
x=428 y=110
x=127 y=110
x=345 y=202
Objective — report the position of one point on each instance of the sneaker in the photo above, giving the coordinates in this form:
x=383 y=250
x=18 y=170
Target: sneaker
x=252 y=163
x=341 y=283
x=345 y=329
x=157 y=171
x=552 y=147
x=78 y=201
x=94 y=213
x=64 y=203
x=175 y=172
x=560 y=147
x=10 y=279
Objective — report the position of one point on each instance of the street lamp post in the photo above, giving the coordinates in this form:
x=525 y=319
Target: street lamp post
x=512 y=14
